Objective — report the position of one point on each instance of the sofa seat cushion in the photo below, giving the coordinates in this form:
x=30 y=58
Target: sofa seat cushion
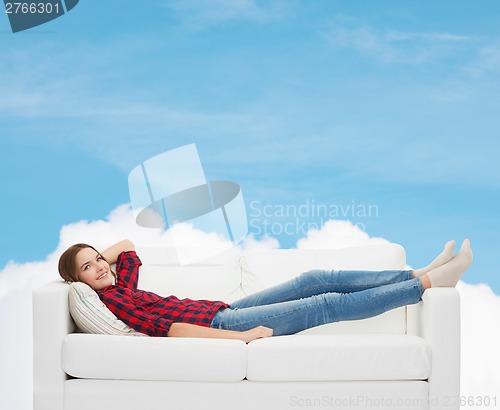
x=153 y=358
x=339 y=357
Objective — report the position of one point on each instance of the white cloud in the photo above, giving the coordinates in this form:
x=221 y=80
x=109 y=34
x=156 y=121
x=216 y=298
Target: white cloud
x=480 y=306
x=266 y=242
x=337 y=234
x=186 y=243
x=480 y=312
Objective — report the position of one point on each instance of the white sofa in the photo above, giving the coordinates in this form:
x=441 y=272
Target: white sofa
x=407 y=358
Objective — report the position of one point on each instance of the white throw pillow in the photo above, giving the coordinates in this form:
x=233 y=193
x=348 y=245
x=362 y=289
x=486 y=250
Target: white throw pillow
x=91 y=315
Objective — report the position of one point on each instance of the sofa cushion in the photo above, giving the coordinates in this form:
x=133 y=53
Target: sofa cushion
x=264 y=268
x=215 y=278
x=339 y=357
x=281 y=358
x=154 y=358
x=91 y=315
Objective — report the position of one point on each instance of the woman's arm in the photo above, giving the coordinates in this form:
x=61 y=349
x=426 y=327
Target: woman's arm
x=188 y=330
x=111 y=254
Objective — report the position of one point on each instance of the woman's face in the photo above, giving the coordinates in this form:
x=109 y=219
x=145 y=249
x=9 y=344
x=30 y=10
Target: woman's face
x=93 y=270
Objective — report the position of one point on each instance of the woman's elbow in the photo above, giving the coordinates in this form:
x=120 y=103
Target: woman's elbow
x=128 y=245
x=174 y=330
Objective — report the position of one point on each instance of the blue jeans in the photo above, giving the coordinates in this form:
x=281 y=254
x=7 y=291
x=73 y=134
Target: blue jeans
x=317 y=297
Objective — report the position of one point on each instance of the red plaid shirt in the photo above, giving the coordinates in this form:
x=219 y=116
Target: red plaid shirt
x=147 y=312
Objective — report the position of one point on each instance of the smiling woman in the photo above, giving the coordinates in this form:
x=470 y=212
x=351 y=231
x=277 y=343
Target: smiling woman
x=93 y=269
x=82 y=262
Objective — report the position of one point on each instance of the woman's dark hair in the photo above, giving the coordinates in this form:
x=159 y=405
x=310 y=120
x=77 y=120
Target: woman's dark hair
x=67 y=262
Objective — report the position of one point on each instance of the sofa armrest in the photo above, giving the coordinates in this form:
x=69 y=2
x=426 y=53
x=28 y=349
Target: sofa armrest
x=51 y=323
x=437 y=320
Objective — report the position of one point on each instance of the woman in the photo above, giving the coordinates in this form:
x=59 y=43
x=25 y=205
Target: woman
x=311 y=299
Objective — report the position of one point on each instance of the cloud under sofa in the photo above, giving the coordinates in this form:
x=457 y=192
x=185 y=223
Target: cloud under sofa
x=407 y=358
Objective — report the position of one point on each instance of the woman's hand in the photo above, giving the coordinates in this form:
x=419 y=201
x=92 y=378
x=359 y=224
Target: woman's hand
x=111 y=254
x=256 y=333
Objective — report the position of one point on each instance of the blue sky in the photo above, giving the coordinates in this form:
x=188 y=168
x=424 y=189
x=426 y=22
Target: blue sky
x=389 y=104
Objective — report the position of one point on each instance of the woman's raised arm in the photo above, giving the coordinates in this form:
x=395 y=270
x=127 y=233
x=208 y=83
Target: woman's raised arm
x=111 y=253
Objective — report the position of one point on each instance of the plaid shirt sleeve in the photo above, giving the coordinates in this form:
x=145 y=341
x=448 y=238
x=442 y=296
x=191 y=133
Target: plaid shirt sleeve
x=127 y=269
x=124 y=307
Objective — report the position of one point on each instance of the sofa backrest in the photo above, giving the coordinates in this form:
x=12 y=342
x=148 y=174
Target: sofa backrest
x=233 y=274
x=265 y=268
x=216 y=278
